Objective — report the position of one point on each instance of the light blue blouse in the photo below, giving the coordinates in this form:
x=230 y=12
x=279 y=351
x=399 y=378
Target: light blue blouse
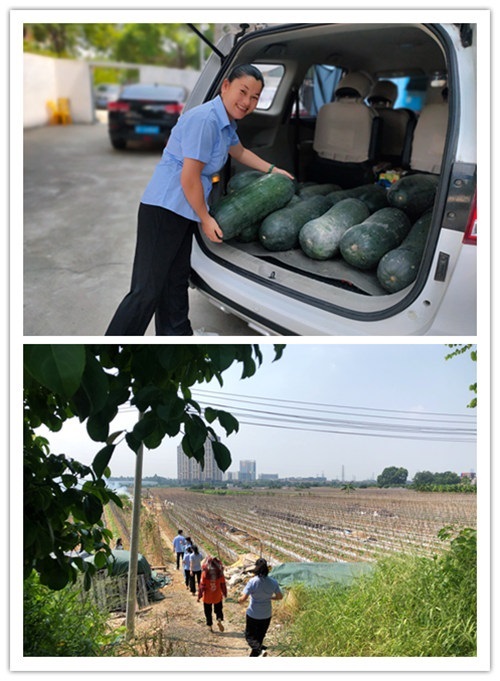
x=260 y=590
x=203 y=133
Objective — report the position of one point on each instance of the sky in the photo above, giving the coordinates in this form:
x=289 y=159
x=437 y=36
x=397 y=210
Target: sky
x=362 y=383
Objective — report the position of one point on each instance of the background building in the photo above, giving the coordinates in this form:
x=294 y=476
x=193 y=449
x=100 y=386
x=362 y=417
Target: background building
x=189 y=470
x=247 y=471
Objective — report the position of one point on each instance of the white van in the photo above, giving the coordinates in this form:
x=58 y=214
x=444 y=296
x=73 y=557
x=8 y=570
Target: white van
x=430 y=130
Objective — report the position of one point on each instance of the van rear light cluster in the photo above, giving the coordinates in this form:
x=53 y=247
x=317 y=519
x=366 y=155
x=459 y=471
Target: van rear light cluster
x=470 y=236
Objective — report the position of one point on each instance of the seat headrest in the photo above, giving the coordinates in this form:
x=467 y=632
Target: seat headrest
x=357 y=81
x=383 y=90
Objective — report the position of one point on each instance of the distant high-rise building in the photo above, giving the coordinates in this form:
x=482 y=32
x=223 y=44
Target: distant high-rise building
x=189 y=470
x=247 y=471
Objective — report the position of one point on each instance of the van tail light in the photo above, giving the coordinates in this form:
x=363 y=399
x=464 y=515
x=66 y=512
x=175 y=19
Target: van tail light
x=470 y=236
x=174 y=108
x=118 y=106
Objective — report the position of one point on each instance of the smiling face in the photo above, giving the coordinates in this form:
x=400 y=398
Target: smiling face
x=240 y=96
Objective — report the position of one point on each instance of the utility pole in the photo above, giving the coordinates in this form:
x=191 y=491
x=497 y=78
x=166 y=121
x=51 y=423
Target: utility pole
x=134 y=545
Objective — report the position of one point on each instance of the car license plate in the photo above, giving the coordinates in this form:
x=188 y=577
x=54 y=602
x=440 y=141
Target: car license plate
x=147 y=129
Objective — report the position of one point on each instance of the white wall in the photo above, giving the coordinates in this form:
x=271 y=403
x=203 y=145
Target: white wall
x=46 y=79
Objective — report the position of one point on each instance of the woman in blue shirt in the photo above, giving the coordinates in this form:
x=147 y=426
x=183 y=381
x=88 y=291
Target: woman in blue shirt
x=175 y=199
x=261 y=590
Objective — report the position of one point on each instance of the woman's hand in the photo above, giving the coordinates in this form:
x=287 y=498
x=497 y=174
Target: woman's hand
x=212 y=230
x=280 y=171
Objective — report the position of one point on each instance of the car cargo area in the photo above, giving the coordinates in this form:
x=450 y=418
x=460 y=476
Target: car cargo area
x=350 y=138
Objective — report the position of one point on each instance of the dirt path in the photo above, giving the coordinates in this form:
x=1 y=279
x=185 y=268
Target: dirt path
x=175 y=626
x=178 y=622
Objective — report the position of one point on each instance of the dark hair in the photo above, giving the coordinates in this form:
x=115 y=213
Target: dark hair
x=245 y=70
x=195 y=549
x=261 y=568
x=213 y=567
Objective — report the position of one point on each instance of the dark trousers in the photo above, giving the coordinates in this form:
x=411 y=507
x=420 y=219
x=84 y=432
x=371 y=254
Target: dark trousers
x=180 y=556
x=207 y=607
x=160 y=274
x=255 y=632
x=194 y=579
x=187 y=577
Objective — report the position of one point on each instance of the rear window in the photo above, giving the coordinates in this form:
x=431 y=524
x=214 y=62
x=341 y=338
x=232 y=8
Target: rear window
x=318 y=88
x=273 y=76
x=162 y=93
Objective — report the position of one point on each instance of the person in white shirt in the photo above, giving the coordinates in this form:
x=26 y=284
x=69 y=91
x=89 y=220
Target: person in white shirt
x=195 y=569
x=179 y=545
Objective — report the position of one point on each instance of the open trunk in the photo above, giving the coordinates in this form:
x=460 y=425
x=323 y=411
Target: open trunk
x=303 y=66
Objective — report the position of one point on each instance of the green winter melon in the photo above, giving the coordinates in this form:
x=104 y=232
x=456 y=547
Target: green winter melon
x=363 y=245
x=314 y=189
x=398 y=268
x=279 y=231
x=243 y=179
x=373 y=195
x=252 y=203
x=414 y=194
x=320 y=238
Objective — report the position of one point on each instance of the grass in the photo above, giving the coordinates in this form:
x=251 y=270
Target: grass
x=63 y=623
x=409 y=607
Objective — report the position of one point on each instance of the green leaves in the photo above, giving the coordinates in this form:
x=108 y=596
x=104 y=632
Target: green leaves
x=226 y=420
x=102 y=459
x=56 y=367
x=64 y=499
x=222 y=455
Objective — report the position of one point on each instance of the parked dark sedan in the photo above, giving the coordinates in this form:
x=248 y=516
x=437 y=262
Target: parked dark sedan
x=144 y=113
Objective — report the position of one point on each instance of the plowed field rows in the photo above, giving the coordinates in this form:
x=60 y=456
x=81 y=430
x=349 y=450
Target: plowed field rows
x=320 y=525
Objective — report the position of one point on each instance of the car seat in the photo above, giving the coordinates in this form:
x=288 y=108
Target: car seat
x=346 y=135
x=430 y=134
x=396 y=125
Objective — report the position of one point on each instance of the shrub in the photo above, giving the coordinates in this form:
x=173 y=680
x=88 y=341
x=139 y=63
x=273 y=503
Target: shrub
x=63 y=623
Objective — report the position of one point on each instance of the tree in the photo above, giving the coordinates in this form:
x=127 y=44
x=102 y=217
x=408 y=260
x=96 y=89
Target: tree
x=64 y=499
x=423 y=478
x=348 y=487
x=428 y=478
x=447 y=478
x=460 y=349
x=392 y=477
x=174 y=45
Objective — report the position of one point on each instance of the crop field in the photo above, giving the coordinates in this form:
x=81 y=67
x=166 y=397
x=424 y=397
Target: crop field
x=321 y=524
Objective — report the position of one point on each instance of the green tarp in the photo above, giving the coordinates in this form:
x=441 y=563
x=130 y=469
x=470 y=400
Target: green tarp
x=120 y=562
x=319 y=574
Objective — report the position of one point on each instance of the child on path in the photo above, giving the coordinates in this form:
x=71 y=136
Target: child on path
x=261 y=590
x=212 y=590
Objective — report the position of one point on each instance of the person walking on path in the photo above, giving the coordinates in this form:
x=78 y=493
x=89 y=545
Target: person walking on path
x=261 y=590
x=175 y=199
x=186 y=564
x=195 y=559
x=179 y=545
x=212 y=591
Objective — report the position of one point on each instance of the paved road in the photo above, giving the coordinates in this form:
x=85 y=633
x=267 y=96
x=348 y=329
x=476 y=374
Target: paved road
x=80 y=207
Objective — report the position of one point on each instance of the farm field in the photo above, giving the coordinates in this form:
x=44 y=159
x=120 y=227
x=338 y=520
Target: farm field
x=320 y=524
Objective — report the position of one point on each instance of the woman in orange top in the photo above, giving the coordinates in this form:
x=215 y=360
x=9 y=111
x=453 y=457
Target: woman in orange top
x=212 y=590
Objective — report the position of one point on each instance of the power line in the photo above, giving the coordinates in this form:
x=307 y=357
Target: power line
x=322 y=418
x=317 y=405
